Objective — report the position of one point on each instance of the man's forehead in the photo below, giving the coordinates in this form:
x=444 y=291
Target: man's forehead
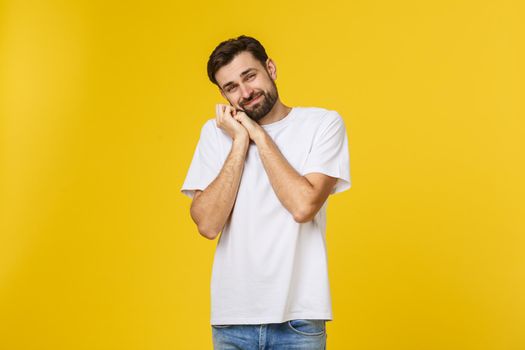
x=239 y=65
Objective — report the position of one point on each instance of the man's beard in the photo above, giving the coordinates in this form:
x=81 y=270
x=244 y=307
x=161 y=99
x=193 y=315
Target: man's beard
x=262 y=108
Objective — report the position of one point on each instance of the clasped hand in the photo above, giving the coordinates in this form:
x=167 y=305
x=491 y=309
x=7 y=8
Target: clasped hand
x=236 y=123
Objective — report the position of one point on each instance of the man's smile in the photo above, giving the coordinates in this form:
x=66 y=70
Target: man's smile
x=253 y=101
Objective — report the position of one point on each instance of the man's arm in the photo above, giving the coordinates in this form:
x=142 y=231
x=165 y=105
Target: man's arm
x=302 y=196
x=211 y=208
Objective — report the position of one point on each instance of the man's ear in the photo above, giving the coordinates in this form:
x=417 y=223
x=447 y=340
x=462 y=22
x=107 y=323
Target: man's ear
x=272 y=69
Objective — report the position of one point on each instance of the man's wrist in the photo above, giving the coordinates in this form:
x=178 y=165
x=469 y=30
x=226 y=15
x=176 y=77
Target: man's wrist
x=259 y=135
x=241 y=142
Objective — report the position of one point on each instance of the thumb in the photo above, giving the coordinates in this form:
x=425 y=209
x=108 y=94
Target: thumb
x=238 y=116
x=241 y=113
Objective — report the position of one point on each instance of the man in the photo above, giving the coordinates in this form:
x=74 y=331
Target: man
x=261 y=174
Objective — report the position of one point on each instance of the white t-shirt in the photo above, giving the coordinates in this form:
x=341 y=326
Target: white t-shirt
x=267 y=267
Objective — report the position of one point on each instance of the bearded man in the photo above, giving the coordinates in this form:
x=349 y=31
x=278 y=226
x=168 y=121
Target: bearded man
x=260 y=176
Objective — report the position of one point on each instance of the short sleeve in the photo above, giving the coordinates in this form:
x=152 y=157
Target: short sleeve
x=329 y=153
x=205 y=165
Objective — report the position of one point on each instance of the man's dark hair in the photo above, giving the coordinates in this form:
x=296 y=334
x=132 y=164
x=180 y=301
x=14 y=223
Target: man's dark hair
x=226 y=51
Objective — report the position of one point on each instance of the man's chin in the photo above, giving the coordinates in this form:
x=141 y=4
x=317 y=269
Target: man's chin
x=255 y=117
x=249 y=112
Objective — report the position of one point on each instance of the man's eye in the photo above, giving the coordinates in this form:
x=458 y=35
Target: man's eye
x=251 y=76
x=231 y=89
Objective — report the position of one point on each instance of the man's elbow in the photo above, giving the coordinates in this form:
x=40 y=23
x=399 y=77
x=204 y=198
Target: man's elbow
x=304 y=214
x=207 y=233
x=205 y=230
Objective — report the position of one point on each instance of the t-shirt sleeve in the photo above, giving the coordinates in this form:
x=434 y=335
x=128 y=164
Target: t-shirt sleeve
x=329 y=153
x=205 y=165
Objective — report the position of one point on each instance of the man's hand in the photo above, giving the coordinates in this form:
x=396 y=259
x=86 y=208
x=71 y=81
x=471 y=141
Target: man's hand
x=225 y=121
x=255 y=131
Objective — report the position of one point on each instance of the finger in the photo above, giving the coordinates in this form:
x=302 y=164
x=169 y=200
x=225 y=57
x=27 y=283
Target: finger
x=241 y=115
x=219 y=115
x=228 y=111
x=225 y=112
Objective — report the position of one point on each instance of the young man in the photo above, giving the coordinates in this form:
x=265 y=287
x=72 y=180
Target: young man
x=261 y=174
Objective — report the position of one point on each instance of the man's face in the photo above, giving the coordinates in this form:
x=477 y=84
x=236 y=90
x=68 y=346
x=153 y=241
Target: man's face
x=248 y=86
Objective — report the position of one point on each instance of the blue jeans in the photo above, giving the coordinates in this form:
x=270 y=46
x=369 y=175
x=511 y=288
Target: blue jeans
x=294 y=334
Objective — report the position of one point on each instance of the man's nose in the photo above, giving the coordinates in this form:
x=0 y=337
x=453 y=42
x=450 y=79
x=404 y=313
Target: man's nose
x=246 y=91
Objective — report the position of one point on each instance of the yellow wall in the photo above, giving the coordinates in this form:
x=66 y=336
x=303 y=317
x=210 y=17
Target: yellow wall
x=101 y=107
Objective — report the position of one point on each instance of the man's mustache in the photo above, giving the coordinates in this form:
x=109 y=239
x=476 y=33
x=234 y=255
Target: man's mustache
x=251 y=99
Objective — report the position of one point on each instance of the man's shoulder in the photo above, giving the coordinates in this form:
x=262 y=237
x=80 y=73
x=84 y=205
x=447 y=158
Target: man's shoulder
x=317 y=115
x=212 y=131
x=209 y=127
x=210 y=124
x=312 y=110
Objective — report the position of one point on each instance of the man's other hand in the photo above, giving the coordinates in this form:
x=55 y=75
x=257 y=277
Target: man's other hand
x=224 y=116
x=254 y=130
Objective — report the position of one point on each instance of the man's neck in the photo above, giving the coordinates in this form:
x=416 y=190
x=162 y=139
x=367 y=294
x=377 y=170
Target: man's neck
x=279 y=111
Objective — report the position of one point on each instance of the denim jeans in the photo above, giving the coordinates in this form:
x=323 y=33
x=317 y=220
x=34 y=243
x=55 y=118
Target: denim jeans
x=298 y=334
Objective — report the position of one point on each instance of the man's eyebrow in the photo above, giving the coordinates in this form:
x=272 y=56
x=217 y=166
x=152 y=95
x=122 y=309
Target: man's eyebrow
x=242 y=74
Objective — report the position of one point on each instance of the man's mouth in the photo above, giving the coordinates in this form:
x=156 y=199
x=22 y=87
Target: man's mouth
x=253 y=101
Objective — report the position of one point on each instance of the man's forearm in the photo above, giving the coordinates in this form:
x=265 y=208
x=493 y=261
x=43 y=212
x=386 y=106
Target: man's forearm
x=293 y=190
x=211 y=209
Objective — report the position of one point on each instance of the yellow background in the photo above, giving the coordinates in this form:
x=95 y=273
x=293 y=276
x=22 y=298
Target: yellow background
x=101 y=108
